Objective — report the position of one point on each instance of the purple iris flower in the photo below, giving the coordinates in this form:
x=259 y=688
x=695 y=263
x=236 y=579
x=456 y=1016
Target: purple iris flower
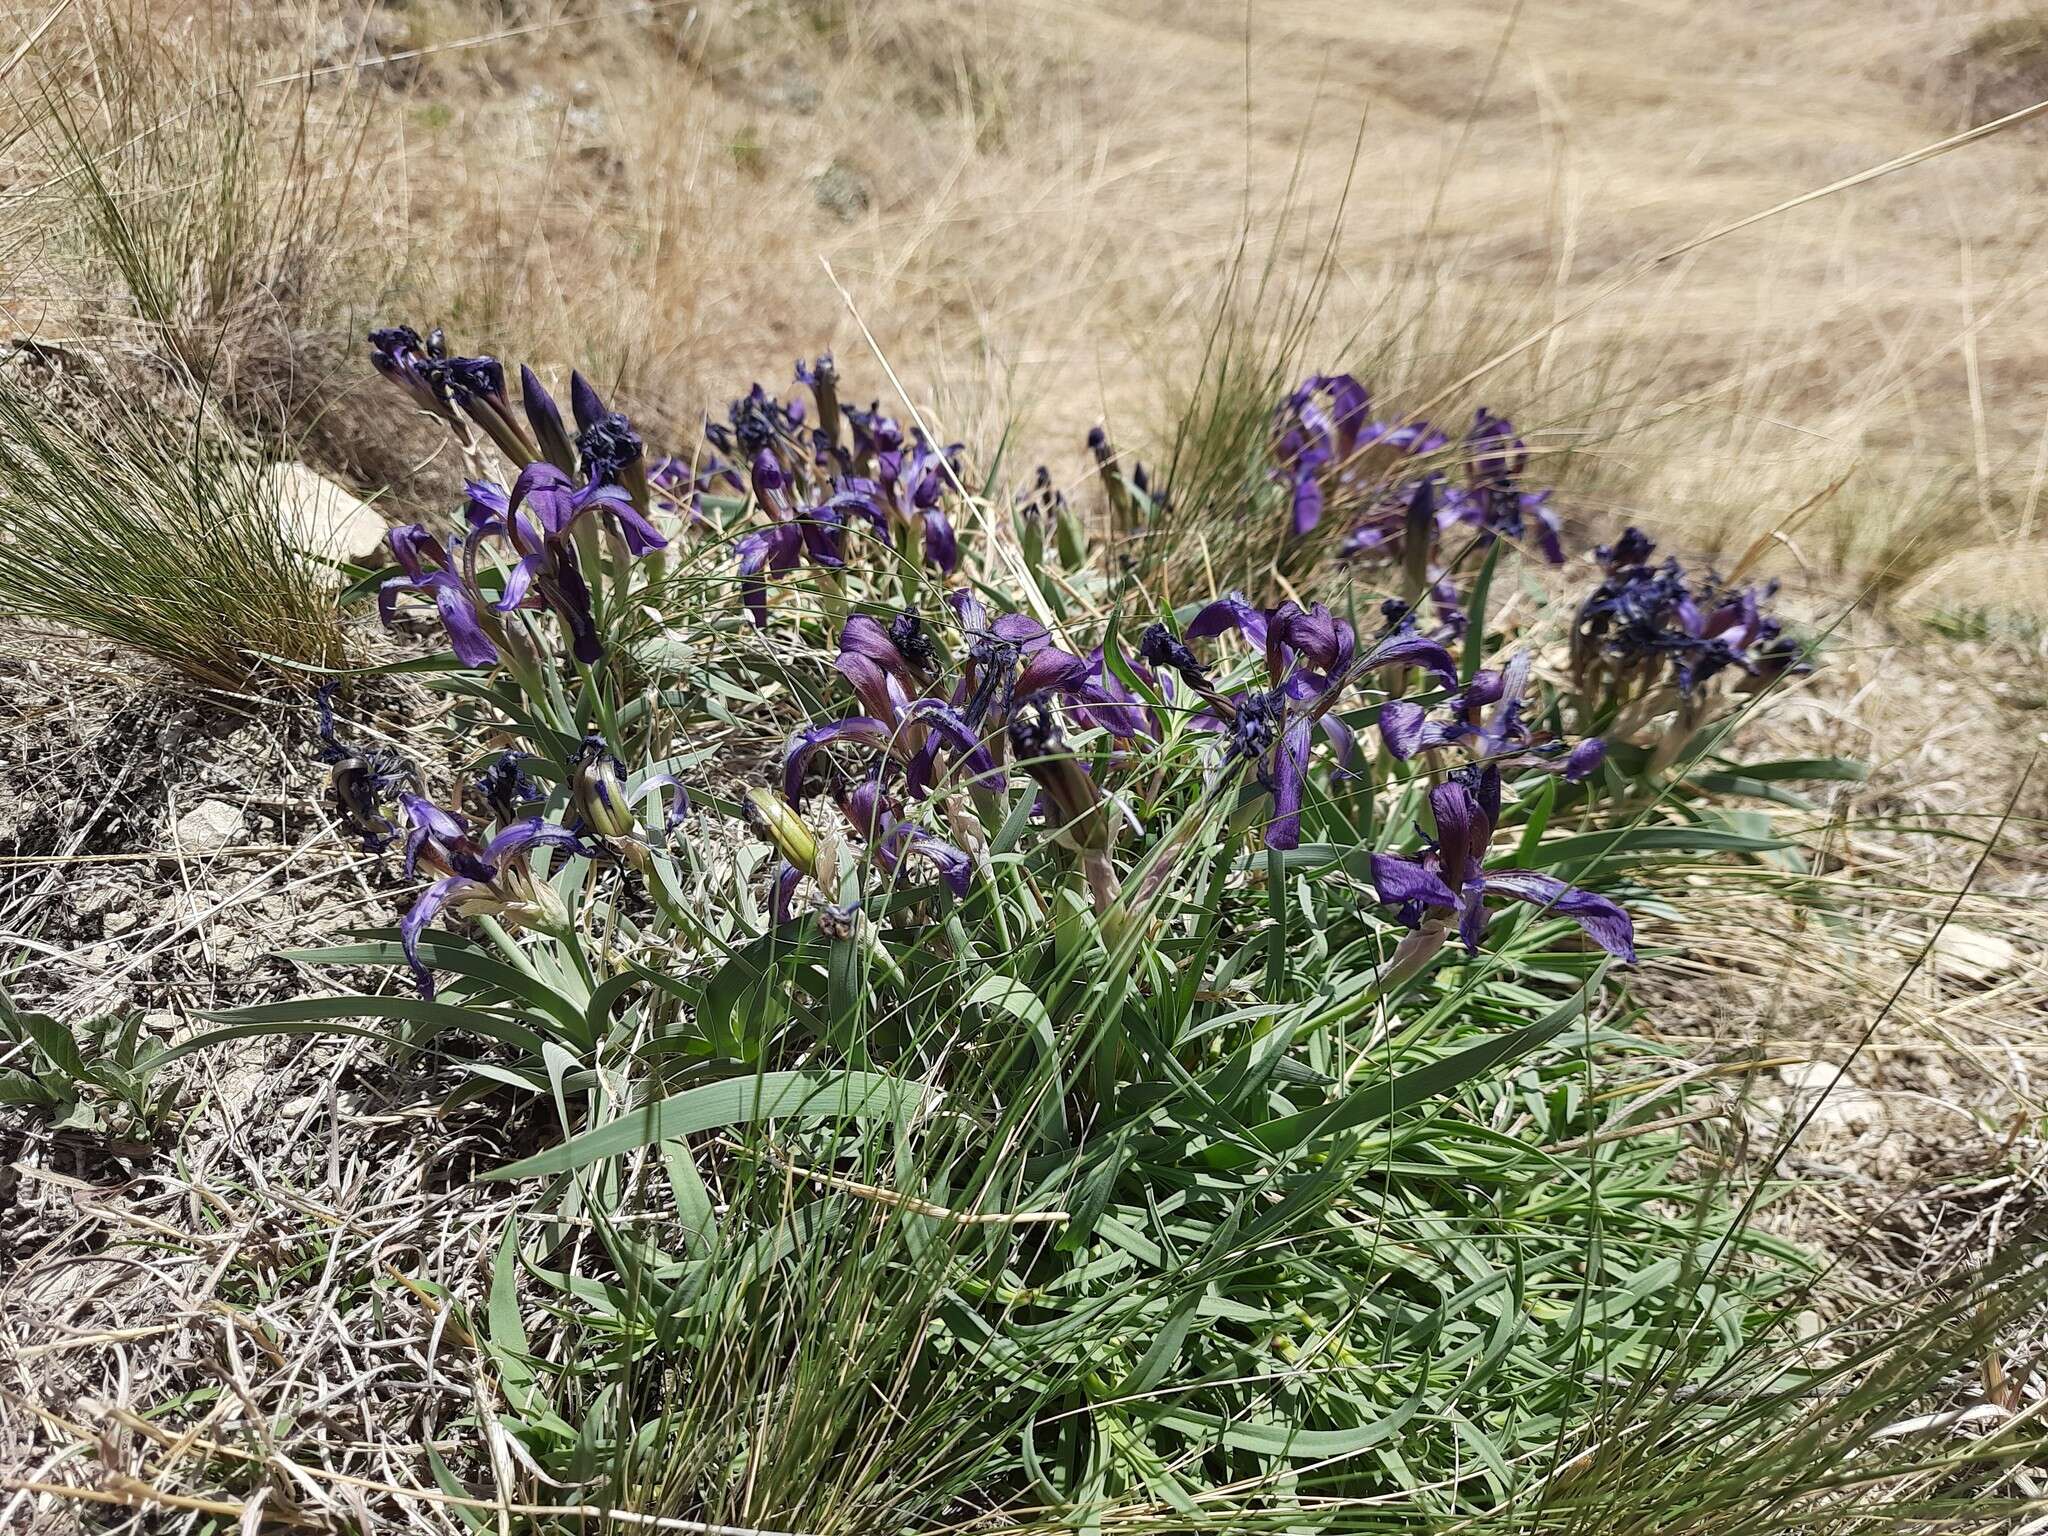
x=489 y=880
x=538 y=520
x=794 y=533
x=822 y=380
x=1584 y=760
x=755 y=422
x=477 y=385
x=1072 y=801
x=1010 y=659
x=1316 y=430
x=877 y=820
x=1486 y=715
x=1449 y=882
x=1310 y=655
x=362 y=780
x=893 y=671
x=1643 y=621
x=431 y=569
x=608 y=450
x=1492 y=499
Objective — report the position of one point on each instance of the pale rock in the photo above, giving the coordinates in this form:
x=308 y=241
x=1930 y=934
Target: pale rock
x=1846 y=1107
x=322 y=519
x=209 y=826
x=1971 y=954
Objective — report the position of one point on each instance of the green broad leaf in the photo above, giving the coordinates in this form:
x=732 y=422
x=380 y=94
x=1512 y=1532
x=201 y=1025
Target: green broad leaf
x=1475 y=635
x=1011 y=996
x=458 y=958
x=1840 y=770
x=1591 y=846
x=19 y=1088
x=1750 y=788
x=748 y=995
x=315 y=1015
x=735 y=1101
x=54 y=1040
x=1384 y=1101
x=1295 y=1444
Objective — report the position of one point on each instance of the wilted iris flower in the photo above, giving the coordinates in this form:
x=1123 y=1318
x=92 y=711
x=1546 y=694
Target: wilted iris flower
x=1073 y=802
x=1310 y=654
x=491 y=879
x=1649 y=640
x=1449 y=883
x=362 y=780
x=600 y=798
x=504 y=790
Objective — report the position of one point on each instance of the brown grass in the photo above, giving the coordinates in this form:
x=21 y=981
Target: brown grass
x=1031 y=206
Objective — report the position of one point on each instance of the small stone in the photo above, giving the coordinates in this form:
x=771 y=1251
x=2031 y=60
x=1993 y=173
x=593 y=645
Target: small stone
x=840 y=191
x=1971 y=954
x=321 y=518
x=114 y=924
x=208 y=827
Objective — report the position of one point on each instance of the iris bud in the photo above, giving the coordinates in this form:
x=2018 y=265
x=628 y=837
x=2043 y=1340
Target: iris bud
x=775 y=819
x=597 y=787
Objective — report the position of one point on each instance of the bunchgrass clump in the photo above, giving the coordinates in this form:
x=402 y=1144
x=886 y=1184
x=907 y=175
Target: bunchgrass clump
x=163 y=535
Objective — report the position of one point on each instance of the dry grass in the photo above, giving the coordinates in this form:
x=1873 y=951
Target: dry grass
x=1031 y=205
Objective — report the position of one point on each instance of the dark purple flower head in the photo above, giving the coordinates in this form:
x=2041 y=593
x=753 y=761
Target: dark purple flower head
x=1632 y=548
x=875 y=435
x=608 y=448
x=416 y=366
x=908 y=634
x=1159 y=647
x=1449 y=881
x=362 y=780
x=506 y=789
x=481 y=377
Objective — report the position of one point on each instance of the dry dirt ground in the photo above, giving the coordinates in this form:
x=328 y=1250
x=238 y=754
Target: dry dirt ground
x=1032 y=207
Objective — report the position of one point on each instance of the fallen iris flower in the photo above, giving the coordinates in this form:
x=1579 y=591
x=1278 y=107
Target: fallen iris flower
x=431 y=569
x=1310 y=655
x=1449 y=883
x=493 y=879
x=362 y=780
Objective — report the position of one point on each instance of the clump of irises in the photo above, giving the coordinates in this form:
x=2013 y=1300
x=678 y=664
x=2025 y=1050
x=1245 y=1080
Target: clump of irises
x=533 y=546
x=828 y=476
x=1656 y=653
x=1387 y=479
